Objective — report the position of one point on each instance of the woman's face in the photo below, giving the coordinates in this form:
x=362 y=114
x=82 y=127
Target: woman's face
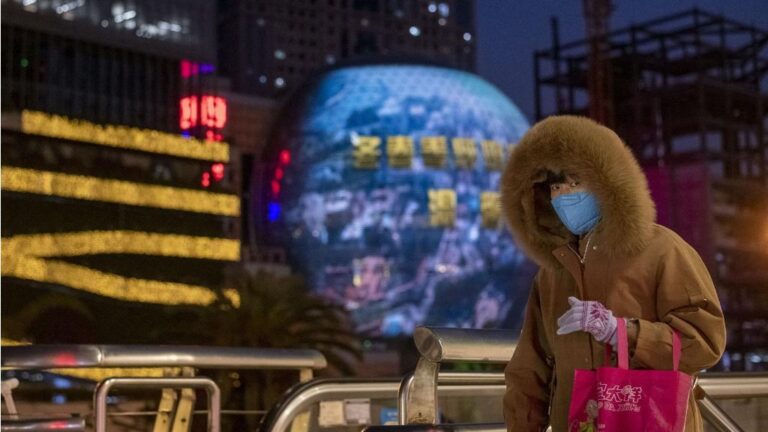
x=570 y=185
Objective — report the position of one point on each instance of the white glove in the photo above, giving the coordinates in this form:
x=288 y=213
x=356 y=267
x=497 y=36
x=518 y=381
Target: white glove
x=591 y=317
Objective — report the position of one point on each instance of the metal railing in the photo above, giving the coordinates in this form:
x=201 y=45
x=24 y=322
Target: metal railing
x=203 y=357
x=40 y=357
x=418 y=401
x=418 y=397
x=302 y=397
x=474 y=427
x=416 y=394
x=102 y=391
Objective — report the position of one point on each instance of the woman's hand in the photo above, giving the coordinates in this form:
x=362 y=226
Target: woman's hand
x=591 y=317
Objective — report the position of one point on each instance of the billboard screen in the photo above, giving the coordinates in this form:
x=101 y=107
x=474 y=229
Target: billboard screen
x=384 y=189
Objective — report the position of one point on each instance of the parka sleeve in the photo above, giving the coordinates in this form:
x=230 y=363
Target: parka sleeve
x=686 y=300
x=528 y=374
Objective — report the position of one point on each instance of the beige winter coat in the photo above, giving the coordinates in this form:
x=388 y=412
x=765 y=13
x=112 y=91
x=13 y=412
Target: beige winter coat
x=636 y=268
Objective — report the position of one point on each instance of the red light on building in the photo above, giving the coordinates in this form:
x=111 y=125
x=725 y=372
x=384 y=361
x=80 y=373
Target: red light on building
x=189 y=68
x=205 y=181
x=275 y=188
x=207 y=111
x=188 y=109
x=218 y=171
x=285 y=157
x=213 y=112
x=279 y=173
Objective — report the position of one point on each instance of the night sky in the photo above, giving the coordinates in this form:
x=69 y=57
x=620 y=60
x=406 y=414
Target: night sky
x=509 y=31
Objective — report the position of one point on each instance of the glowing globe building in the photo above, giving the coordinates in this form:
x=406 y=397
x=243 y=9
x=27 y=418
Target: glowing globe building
x=384 y=186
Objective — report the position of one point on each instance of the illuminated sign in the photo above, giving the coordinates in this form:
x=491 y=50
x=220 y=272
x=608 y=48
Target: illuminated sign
x=465 y=152
x=433 y=150
x=366 y=151
x=399 y=151
x=207 y=111
x=189 y=69
x=442 y=207
x=493 y=154
x=274 y=209
x=490 y=209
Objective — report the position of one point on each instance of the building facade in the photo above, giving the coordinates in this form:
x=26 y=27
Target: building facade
x=124 y=197
x=269 y=47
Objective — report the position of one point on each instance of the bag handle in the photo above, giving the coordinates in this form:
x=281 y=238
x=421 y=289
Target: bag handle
x=621 y=336
x=623 y=348
x=676 y=349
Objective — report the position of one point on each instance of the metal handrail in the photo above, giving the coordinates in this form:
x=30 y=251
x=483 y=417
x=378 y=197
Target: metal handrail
x=102 y=391
x=734 y=385
x=716 y=416
x=303 y=396
x=452 y=344
x=474 y=427
x=418 y=400
x=157 y=356
x=728 y=386
x=102 y=356
x=407 y=383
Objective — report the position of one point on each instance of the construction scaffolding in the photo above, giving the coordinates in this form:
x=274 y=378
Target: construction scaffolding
x=688 y=96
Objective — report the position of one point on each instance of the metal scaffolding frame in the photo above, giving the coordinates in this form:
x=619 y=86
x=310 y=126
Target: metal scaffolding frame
x=688 y=89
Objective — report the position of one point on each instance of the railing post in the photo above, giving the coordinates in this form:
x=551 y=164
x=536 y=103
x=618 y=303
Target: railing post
x=422 y=399
x=103 y=388
x=402 y=398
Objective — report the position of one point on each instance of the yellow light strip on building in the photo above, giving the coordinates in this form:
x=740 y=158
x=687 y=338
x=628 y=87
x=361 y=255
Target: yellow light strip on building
x=12 y=342
x=108 y=285
x=151 y=141
x=121 y=242
x=100 y=374
x=118 y=191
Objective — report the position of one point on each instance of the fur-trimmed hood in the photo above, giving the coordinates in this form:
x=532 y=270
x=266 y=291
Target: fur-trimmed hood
x=598 y=157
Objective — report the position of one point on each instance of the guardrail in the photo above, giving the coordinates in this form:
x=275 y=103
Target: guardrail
x=418 y=401
x=203 y=357
x=304 y=396
x=40 y=357
x=474 y=427
x=417 y=393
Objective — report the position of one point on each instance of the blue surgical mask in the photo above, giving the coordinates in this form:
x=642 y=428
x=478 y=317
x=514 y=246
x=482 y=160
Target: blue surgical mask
x=578 y=211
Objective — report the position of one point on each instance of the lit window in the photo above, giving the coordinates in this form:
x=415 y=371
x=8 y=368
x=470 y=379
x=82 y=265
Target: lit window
x=330 y=59
x=279 y=82
x=260 y=22
x=415 y=32
x=444 y=9
x=263 y=79
x=432 y=8
x=442 y=21
x=280 y=54
x=467 y=37
x=69 y=7
x=364 y=22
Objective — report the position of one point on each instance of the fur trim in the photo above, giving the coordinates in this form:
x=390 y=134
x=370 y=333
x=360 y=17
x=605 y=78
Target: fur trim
x=598 y=157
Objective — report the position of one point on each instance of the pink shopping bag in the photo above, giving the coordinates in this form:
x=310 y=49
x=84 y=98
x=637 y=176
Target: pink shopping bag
x=611 y=399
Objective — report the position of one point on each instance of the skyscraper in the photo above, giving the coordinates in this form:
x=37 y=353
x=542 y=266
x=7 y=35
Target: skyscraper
x=268 y=47
x=118 y=221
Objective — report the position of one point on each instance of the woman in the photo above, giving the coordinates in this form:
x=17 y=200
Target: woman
x=578 y=203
